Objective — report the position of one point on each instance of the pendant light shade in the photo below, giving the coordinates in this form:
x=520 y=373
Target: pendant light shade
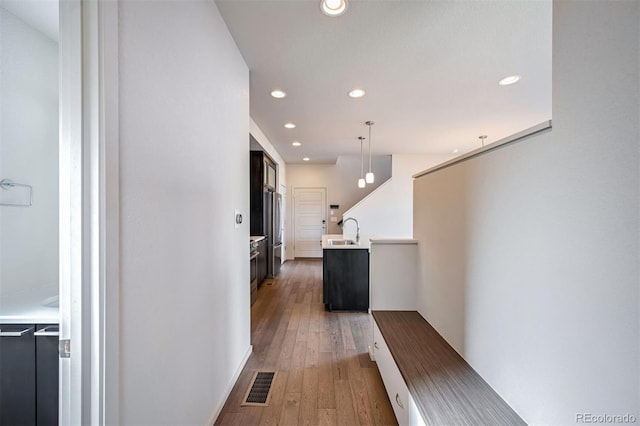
x=361 y=182
x=370 y=178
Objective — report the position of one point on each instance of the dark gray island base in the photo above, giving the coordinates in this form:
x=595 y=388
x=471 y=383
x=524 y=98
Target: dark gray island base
x=345 y=279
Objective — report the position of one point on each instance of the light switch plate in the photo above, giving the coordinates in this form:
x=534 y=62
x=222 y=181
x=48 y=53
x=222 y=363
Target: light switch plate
x=334 y=219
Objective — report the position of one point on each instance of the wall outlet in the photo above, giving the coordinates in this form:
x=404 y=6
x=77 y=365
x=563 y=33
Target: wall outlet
x=334 y=219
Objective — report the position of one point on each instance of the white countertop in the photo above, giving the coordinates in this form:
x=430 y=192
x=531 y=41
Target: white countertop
x=393 y=241
x=257 y=238
x=29 y=303
x=364 y=242
x=41 y=315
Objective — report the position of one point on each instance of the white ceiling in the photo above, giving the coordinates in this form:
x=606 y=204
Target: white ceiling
x=39 y=14
x=430 y=70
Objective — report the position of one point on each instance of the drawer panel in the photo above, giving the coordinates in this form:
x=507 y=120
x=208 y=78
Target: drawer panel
x=391 y=377
x=415 y=418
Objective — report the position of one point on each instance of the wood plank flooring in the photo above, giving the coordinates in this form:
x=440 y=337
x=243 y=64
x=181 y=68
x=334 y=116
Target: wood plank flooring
x=325 y=376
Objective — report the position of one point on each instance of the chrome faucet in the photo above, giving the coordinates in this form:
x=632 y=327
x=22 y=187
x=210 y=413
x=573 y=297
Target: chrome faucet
x=357 y=227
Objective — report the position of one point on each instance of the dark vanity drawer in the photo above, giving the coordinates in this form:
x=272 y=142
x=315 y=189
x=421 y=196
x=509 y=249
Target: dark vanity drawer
x=17 y=374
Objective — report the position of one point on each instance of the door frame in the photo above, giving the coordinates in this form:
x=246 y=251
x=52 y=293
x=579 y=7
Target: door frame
x=294 y=214
x=89 y=211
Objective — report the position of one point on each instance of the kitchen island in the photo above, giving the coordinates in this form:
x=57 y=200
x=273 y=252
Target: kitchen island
x=345 y=273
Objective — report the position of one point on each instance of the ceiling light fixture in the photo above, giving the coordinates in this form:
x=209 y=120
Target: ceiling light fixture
x=361 y=182
x=482 y=138
x=278 y=94
x=296 y=143
x=455 y=151
x=357 y=93
x=290 y=125
x=370 y=177
x=306 y=159
x=333 y=7
x=512 y=79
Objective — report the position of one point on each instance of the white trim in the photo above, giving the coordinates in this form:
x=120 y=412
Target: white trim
x=91 y=218
x=110 y=214
x=70 y=225
x=89 y=211
x=516 y=137
x=230 y=385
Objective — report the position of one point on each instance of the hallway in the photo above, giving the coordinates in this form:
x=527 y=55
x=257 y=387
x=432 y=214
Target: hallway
x=325 y=376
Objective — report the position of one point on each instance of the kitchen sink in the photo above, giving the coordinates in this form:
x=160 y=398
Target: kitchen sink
x=341 y=242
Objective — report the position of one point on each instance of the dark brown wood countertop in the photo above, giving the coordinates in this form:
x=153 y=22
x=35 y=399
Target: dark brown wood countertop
x=445 y=388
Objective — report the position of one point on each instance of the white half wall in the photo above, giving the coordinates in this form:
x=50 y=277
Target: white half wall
x=529 y=253
x=387 y=212
x=184 y=169
x=28 y=155
x=341 y=181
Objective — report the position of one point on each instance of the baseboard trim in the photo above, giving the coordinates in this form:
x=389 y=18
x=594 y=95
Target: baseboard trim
x=230 y=385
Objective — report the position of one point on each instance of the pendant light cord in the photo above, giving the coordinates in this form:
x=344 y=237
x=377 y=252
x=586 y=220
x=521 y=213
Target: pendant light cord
x=361 y=159
x=370 y=124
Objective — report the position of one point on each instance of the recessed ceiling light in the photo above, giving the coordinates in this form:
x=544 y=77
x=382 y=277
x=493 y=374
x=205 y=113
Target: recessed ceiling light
x=509 y=80
x=290 y=126
x=296 y=143
x=278 y=94
x=357 y=93
x=306 y=159
x=333 y=7
x=455 y=151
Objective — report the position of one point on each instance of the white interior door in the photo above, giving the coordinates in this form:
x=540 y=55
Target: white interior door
x=310 y=221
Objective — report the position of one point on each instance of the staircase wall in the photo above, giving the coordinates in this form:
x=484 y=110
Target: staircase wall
x=387 y=212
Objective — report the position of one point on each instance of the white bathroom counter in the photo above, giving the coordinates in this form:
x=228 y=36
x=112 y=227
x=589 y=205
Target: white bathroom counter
x=31 y=317
x=23 y=312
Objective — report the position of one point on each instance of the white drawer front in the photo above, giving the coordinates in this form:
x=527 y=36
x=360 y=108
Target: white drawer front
x=393 y=381
x=415 y=418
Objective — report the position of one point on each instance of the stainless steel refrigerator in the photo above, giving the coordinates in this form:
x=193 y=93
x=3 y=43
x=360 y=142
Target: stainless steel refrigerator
x=274 y=226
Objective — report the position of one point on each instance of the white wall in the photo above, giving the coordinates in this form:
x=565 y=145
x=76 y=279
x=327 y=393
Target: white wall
x=529 y=254
x=184 y=168
x=387 y=212
x=268 y=147
x=29 y=155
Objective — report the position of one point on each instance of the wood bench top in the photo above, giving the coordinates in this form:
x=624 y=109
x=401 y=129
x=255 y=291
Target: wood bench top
x=445 y=388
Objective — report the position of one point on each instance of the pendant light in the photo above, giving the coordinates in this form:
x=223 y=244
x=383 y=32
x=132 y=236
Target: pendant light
x=370 y=177
x=361 y=183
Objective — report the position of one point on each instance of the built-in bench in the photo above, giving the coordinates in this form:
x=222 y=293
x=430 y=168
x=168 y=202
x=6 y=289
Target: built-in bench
x=427 y=381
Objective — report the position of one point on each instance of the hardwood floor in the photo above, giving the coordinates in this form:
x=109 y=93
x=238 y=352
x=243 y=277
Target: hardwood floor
x=325 y=376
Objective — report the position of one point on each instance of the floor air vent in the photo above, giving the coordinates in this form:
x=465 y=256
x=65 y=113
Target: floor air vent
x=259 y=391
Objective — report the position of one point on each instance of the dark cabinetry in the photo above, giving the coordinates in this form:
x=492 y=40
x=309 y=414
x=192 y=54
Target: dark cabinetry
x=262 y=181
x=28 y=374
x=254 y=277
x=47 y=374
x=345 y=279
x=262 y=260
x=17 y=374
